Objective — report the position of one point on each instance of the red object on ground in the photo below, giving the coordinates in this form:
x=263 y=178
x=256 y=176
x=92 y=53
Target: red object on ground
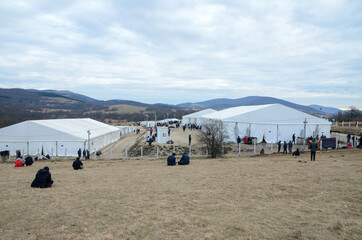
x=18 y=163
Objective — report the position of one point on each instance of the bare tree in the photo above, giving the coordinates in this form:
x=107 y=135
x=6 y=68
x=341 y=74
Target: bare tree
x=213 y=136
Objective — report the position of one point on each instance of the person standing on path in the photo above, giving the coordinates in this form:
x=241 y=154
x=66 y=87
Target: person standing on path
x=285 y=145
x=279 y=146
x=313 y=149
x=190 y=139
x=293 y=137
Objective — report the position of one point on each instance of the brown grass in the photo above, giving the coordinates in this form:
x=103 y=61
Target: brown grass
x=346 y=130
x=270 y=197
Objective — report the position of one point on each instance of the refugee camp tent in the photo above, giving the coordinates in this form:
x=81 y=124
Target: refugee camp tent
x=147 y=123
x=59 y=137
x=124 y=130
x=195 y=117
x=271 y=122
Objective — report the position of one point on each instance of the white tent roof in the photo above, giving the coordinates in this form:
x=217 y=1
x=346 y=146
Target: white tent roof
x=267 y=114
x=200 y=113
x=60 y=129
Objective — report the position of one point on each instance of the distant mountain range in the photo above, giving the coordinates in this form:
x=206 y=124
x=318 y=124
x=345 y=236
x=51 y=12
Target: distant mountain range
x=27 y=104
x=222 y=103
x=327 y=110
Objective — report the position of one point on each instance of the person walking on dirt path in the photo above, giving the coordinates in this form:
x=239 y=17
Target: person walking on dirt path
x=293 y=137
x=190 y=139
x=290 y=146
x=285 y=145
x=313 y=149
x=279 y=146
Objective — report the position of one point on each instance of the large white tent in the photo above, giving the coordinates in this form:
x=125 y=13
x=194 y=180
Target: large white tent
x=59 y=137
x=195 y=117
x=272 y=122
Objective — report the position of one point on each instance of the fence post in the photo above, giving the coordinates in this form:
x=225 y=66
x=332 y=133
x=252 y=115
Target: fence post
x=157 y=152
x=254 y=148
x=321 y=145
x=141 y=152
x=190 y=150
x=110 y=156
x=349 y=124
x=173 y=148
x=95 y=155
x=125 y=152
x=207 y=152
x=357 y=124
x=222 y=150
x=342 y=123
x=271 y=147
x=65 y=151
x=239 y=148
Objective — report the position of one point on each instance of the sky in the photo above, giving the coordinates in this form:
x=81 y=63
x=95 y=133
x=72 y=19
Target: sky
x=307 y=52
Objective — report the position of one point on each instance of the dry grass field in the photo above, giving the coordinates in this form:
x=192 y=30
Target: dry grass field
x=264 y=197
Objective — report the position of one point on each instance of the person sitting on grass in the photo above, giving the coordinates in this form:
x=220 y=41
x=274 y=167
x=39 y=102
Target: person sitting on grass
x=185 y=159
x=171 y=160
x=43 y=179
x=296 y=153
x=28 y=161
x=19 y=162
x=77 y=164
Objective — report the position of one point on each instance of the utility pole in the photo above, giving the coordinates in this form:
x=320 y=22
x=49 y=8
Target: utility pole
x=304 y=134
x=89 y=133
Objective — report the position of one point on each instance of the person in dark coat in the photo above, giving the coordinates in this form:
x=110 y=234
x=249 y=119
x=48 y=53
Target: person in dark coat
x=43 y=179
x=293 y=137
x=28 y=161
x=279 y=146
x=238 y=140
x=79 y=152
x=171 y=160
x=296 y=153
x=84 y=153
x=348 y=137
x=285 y=145
x=185 y=159
x=313 y=149
x=77 y=164
x=87 y=154
x=290 y=146
x=190 y=139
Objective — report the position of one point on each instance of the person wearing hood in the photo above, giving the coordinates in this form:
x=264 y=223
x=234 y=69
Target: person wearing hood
x=313 y=149
x=285 y=145
x=279 y=146
x=171 y=160
x=77 y=164
x=43 y=179
x=185 y=159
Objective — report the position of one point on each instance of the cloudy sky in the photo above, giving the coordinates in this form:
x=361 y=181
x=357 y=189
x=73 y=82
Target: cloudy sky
x=307 y=52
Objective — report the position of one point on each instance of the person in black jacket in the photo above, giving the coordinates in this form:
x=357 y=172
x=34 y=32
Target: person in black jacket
x=77 y=164
x=28 y=161
x=43 y=179
x=171 y=160
x=185 y=159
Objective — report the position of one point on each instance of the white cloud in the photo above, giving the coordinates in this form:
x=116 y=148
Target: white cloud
x=204 y=49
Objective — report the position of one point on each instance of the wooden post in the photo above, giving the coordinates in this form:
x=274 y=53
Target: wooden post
x=357 y=124
x=255 y=148
x=125 y=152
x=342 y=123
x=173 y=148
x=239 y=148
x=190 y=150
x=321 y=145
x=141 y=152
x=110 y=156
x=349 y=124
x=271 y=147
x=65 y=151
x=157 y=152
